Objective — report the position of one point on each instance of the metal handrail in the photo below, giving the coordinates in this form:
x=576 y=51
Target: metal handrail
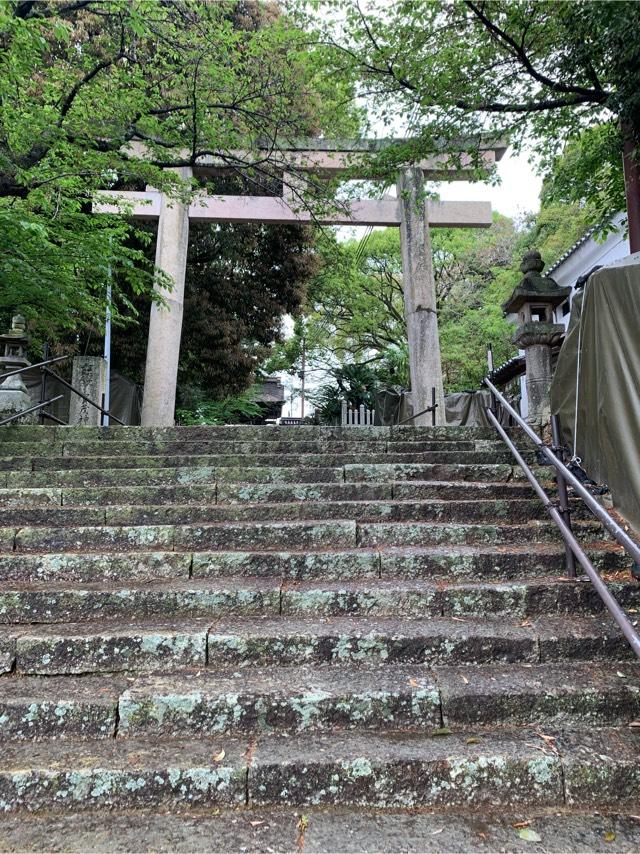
x=31 y=409
x=431 y=409
x=598 y=510
x=45 y=370
x=603 y=591
x=31 y=367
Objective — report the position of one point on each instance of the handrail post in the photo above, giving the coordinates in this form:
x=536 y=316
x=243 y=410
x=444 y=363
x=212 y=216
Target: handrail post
x=433 y=406
x=563 y=495
x=43 y=382
x=494 y=401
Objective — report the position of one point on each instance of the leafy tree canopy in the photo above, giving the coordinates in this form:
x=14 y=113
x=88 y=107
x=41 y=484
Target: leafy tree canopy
x=528 y=71
x=106 y=94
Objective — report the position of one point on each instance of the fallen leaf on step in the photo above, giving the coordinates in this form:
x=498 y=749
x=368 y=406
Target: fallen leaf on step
x=621 y=675
x=256 y=823
x=521 y=824
x=414 y=683
x=464 y=679
x=442 y=731
x=436 y=832
x=473 y=740
x=529 y=835
x=635 y=724
x=218 y=757
x=526 y=624
x=609 y=836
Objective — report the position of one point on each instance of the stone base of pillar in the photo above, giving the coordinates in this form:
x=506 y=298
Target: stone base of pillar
x=14 y=398
x=89 y=377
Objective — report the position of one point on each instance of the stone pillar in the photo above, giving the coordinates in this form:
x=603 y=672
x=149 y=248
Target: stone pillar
x=537 y=339
x=89 y=377
x=165 y=326
x=425 y=368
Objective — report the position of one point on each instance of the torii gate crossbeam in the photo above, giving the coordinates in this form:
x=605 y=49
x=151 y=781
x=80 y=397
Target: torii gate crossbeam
x=409 y=211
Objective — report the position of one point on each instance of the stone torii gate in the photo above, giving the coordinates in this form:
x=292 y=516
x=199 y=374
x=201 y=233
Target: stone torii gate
x=409 y=211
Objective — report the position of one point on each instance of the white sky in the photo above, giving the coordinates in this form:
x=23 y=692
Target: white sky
x=517 y=194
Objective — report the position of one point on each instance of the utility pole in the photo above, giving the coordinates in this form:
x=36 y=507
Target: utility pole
x=302 y=374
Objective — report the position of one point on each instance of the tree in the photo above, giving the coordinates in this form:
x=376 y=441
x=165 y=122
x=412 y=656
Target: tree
x=355 y=310
x=525 y=71
x=109 y=94
x=240 y=280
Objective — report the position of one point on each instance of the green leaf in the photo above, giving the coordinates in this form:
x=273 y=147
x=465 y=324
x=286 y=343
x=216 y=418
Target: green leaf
x=529 y=835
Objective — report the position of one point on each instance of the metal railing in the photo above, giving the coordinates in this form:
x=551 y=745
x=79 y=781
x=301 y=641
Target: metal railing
x=47 y=372
x=560 y=512
x=431 y=409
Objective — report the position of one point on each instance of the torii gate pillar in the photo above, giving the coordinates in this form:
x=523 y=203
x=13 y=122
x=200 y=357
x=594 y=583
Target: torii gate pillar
x=425 y=367
x=165 y=324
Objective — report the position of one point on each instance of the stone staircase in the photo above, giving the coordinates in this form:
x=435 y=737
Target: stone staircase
x=303 y=639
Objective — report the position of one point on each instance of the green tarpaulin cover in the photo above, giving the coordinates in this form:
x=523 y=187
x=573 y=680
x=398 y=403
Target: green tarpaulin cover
x=599 y=370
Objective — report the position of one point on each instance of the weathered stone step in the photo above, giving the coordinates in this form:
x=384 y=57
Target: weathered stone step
x=179 y=476
x=456 y=562
x=52 y=707
x=371 y=534
x=24 y=603
x=466 y=768
x=268 y=641
x=189 y=598
x=238 y=535
x=519 y=510
x=299 y=534
x=579 y=693
x=126 y=773
x=97 y=647
x=351 y=831
x=252 y=493
x=298 y=699
x=469 y=768
x=255 y=460
x=495 y=473
x=237 y=433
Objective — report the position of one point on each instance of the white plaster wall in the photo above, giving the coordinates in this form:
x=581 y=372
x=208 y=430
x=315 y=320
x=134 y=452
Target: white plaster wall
x=580 y=261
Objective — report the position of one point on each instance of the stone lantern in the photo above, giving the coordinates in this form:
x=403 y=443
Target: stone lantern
x=14 y=397
x=13 y=345
x=533 y=302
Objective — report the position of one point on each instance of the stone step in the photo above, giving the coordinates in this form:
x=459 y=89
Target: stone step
x=282 y=641
x=190 y=598
x=104 y=647
x=299 y=699
x=302 y=698
x=502 y=473
x=518 y=510
x=351 y=831
x=261 y=460
x=298 y=534
x=24 y=603
x=179 y=476
x=455 y=562
x=467 y=768
x=101 y=647
x=54 y=707
x=231 y=493
x=269 y=535
x=238 y=433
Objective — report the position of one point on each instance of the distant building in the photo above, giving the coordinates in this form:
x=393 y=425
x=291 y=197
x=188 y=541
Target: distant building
x=583 y=256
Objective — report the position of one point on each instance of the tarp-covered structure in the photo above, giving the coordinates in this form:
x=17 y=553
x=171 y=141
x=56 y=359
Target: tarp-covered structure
x=596 y=385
